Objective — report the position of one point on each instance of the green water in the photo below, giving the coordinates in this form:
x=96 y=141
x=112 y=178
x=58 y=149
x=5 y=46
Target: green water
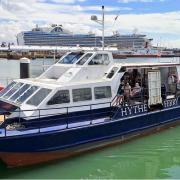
x=154 y=156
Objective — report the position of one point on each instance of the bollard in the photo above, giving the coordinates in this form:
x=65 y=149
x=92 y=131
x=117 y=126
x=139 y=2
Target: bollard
x=24 y=68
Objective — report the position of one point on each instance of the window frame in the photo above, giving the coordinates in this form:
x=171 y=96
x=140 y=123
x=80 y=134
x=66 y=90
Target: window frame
x=75 y=101
x=29 y=96
x=112 y=72
x=35 y=94
x=95 y=95
x=102 y=64
x=9 y=86
x=19 y=93
x=90 y=57
x=73 y=59
x=20 y=84
x=58 y=91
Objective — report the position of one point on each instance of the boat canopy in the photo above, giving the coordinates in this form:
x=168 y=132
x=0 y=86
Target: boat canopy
x=149 y=65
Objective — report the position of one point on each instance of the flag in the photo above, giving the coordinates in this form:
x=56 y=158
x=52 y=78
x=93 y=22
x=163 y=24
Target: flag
x=116 y=17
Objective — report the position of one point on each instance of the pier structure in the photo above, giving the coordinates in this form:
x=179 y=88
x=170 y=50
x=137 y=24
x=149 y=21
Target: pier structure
x=31 y=52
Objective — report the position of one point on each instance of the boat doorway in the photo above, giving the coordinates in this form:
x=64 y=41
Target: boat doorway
x=154 y=88
x=148 y=85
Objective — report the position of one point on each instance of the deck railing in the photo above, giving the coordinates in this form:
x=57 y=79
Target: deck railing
x=64 y=119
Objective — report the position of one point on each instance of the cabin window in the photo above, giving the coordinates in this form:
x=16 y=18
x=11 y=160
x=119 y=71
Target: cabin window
x=112 y=72
x=20 y=92
x=27 y=94
x=84 y=59
x=39 y=97
x=4 y=91
x=60 y=97
x=57 y=29
x=71 y=58
x=84 y=94
x=102 y=92
x=13 y=90
x=123 y=69
x=100 y=59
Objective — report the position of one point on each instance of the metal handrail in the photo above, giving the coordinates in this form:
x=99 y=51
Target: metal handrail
x=40 y=115
x=66 y=122
x=42 y=109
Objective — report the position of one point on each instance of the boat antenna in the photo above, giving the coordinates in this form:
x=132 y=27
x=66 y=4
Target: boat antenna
x=101 y=22
x=103 y=28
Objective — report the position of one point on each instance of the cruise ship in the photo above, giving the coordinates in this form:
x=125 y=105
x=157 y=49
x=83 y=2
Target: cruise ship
x=56 y=35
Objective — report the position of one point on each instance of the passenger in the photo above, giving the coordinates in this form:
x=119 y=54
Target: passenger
x=171 y=81
x=127 y=91
x=136 y=90
x=135 y=76
x=138 y=79
x=126 y=77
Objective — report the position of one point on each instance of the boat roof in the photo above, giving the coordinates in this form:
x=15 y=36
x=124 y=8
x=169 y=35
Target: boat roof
x=149 y=65
x=50 y=83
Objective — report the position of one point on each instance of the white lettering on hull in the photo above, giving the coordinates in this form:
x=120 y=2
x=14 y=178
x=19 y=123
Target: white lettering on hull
x=170 y=103
x=132 y=110
x=142 y=108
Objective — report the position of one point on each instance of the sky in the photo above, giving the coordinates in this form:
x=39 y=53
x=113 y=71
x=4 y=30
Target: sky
x=158 y=19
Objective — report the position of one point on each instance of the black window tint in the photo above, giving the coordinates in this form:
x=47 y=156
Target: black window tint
x=102 y=92
x=112 y=72
x=82 y=94
x=39 y=97
x=123 y=69
x=60 y=97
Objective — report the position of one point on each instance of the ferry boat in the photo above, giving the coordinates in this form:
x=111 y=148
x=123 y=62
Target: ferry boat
x=85 y=101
